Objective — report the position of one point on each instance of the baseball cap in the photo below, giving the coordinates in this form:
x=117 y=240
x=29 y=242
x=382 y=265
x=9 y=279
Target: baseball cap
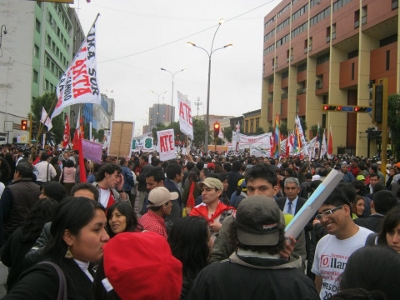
x=160 y=195
x=211 y=183
x=155 y=270
x=258 y=220
x=242 y=184
x=210 y=166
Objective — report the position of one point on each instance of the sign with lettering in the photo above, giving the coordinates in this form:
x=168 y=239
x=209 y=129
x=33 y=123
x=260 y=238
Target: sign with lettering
x=79 y=83
x=92 y=151
x=166 y=144
x=143 y=143
x=185 y=115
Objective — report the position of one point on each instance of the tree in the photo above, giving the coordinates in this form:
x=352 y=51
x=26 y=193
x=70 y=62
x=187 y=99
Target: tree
x=283 y=129
x=228 y=134
x=46 y=101
x=394 y=122
x=259 y=131
x=100 y=135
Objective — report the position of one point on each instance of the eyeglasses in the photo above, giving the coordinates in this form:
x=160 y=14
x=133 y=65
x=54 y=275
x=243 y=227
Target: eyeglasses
x=327 y=213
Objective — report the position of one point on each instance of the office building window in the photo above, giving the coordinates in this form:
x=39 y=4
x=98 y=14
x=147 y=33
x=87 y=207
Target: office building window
x=36 y=50
x=37 y=27
x=35 y=76
x=319 y=17
x=387 y=60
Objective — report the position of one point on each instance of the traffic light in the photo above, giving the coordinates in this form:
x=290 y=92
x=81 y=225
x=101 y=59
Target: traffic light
x=361 y=108
x=329 y=107
x=216 y=129
x=24 y=124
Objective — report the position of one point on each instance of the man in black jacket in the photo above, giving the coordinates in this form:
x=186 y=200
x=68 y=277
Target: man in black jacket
x=255 y=269
x=233 y=178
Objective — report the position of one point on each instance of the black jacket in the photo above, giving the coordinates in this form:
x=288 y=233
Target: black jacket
x=233 y=179
x=41 y=282
x=373 y=222
x=242 y=277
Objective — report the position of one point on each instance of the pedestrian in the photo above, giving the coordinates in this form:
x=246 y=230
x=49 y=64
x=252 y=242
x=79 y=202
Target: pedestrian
x=68 y=174
x=121 y=218
x=78 y=236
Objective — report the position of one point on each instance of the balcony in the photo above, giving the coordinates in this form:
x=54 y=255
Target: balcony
x=395 y=4
x=284 y=96
x=301 y=91
x=319 y=85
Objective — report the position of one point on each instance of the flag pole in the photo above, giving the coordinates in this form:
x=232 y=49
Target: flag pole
x=41 y=127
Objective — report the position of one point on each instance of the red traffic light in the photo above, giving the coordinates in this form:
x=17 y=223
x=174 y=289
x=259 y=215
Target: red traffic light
x=216 y=129
x=216 y=126
x=329 y=107
x=24 y=124
x=339 y=108
x=360 y=109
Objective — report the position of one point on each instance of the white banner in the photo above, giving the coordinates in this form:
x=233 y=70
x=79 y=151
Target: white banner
x=79 y=83
x=46 y=119
x=185 y=116
x=143 y=143
x=258 y=152
x=166 y=144
x=301 y=134
x=263 y=139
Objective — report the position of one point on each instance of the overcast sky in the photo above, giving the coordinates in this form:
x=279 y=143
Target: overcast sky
x=137 y=38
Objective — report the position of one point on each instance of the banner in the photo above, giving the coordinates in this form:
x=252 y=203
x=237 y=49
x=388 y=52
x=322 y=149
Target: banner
x=79 y=83
x=185 y=116
x=45 y=119
x=92 y=151
x=166 y=144
x=301 y=134
x=263 y=139
x=143 y=143
x=236 y=138
x=259 y=152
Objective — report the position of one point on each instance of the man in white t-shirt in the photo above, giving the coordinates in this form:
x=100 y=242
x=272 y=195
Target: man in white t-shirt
x=333 y=250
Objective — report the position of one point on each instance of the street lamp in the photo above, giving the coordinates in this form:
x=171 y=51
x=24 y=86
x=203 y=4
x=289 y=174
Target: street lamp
x=209 y=54
x=158 y=103
x=172 y=94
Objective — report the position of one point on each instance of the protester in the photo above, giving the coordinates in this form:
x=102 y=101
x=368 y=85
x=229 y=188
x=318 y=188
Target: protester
x=46 y=171
x=174 y=177
x=373 y=269
x=160 y=207
x=191 y=192
x=358 y=207
x=78 y=236
x=21 y=241
x=68 y=174
x=333 y=250
x=54 y=190
x=255 y=269
x=154 y=177
x=190 y=243
x=121 y=218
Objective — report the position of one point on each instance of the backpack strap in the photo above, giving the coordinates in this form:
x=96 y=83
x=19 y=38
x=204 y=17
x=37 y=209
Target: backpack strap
x=62 y=285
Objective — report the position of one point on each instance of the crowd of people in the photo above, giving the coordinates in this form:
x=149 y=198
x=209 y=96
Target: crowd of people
x=196 y=227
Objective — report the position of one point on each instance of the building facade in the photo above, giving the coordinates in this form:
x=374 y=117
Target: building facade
x=35 y=52
x=160 y=113
x=251 y=121
x=327 y=52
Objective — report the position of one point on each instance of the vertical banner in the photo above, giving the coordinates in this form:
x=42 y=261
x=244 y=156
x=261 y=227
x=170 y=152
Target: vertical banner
x=67 y=133
x=237 y=141
x=301 y=134
x=79 y=83
x=166 y=144
x=185 y=116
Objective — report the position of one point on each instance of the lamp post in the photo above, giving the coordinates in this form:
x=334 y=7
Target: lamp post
x=158 y=102
x=209 y=54
x=172 y=93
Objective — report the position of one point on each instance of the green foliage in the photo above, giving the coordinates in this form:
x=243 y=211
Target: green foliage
x=100 y=135
x=46 y=101
x=259 y=131
x=394 y=122
x=283 y=129
x=271 y=129
x=228 y=133
x=314 y=129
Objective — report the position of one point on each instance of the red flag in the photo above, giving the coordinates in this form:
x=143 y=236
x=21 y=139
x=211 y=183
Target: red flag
x=82 y=168
x=82 y=129
x=67 y=130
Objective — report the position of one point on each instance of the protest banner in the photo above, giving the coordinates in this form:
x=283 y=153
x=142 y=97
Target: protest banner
x=185 y=116
x=79 y=83
x=92 y=151
x=143 y=143
x=120 y=139
x=166 y=144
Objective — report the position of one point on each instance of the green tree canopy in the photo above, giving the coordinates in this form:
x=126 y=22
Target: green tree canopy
x=228 y=133
x=394 y=122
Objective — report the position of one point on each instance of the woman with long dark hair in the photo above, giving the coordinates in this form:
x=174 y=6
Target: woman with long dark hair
x=121 y=218
x=78 y=236
x=190 y=243
x=22 y=240
x=390 y=233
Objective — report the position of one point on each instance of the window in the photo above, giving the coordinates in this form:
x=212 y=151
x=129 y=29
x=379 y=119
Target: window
x=282 y=41
x=300 y=29
x=285 y=75
x=356 y=19
x=323 y=58
x=48 y=63
x=300 y=12
x=388 y=40
x=37 y=25
x=352 y=71
x=282 y=25
x=35 y=76
x=269 y=22
x=269 y=35
x=269 y=49
x=339 y=4
x=352 y=54
x=283 y=10
x=46 y=85
x=36 y=50
x=48 y=40
x=387 y=60
x=302 y=68
x=395 y=4
x=51 y=87
x=328 y=34
x=319 y=17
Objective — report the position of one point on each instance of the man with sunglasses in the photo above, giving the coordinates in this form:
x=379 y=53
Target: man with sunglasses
x=333 y=250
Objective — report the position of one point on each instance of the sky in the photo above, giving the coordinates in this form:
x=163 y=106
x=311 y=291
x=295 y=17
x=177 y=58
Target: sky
x=135 y=39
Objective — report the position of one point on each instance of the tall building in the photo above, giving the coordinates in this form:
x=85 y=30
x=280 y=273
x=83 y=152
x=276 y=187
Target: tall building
x=160 y=113
x=35 y=52
x=327 y=52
